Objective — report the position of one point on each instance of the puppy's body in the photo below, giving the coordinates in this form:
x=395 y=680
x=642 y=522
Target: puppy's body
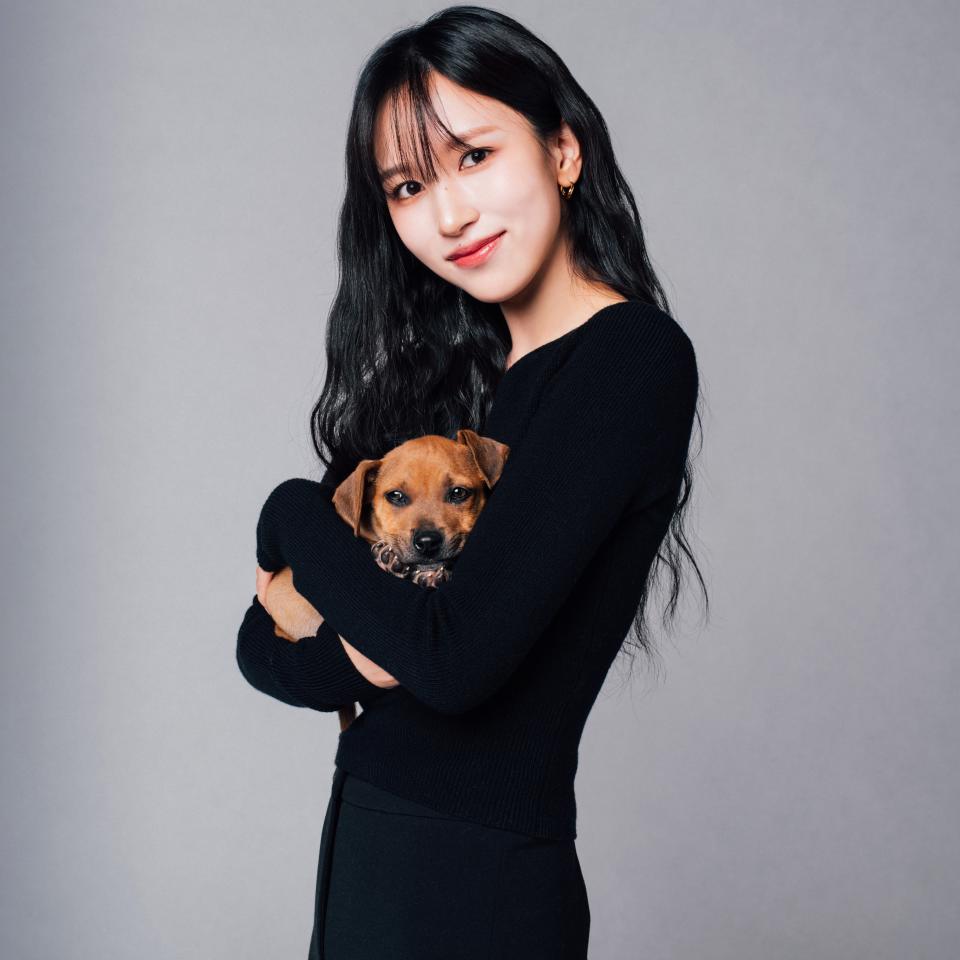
x=415 y=507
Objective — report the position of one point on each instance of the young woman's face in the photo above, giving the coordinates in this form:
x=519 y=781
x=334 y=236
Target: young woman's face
x=507 y=185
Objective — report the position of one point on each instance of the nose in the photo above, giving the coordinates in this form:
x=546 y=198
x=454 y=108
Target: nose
x=454 y=213
x=427 y=542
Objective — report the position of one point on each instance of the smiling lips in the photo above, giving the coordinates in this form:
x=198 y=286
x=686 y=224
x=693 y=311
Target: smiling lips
x=476 y=253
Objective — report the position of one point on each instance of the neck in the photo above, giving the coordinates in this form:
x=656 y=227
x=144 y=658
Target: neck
x=553 y=304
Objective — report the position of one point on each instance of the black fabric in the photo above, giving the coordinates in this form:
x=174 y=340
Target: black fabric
x=400 y=880
x=314 y=672
x=500 y=666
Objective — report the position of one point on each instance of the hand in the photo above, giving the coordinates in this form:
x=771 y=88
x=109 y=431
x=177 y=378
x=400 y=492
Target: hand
x=294 y=616
x=263 y=579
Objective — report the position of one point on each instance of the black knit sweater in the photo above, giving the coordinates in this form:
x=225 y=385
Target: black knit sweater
x=498 y=667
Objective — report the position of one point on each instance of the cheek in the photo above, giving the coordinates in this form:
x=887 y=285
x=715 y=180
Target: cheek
x=526 y=206
x=517 y=191
x=412 y=230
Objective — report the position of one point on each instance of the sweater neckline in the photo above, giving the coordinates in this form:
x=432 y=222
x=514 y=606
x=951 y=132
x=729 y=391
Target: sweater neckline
x=543 y=348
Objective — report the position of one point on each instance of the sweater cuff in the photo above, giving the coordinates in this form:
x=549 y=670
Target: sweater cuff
x=314 y=672
x=339 y=673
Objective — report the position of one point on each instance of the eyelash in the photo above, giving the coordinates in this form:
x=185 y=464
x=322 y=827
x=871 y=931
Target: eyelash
x=394 y=194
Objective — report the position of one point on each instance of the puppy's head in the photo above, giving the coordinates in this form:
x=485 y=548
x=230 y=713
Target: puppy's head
x=422 y=498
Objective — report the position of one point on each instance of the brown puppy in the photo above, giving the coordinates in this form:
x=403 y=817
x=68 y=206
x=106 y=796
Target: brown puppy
x=415 y=507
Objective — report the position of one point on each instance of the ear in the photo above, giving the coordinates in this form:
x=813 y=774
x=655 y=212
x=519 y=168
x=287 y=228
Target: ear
x=350 y=498
x=488 y=454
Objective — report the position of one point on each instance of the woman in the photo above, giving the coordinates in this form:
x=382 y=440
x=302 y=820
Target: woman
x=450 y=828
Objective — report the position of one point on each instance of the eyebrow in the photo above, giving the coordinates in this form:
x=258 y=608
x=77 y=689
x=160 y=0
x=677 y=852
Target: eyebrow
x=385 y=175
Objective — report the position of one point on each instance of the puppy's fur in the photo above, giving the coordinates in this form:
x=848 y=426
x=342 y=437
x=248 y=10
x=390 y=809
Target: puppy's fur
x=416 y=507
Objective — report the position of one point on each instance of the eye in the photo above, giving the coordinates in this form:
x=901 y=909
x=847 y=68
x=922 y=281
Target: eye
x=395 y=192
x=482 y=150
x=459 y=494
x=396 y=497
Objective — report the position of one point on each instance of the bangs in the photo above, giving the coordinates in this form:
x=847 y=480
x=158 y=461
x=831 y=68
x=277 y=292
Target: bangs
x=413 y=122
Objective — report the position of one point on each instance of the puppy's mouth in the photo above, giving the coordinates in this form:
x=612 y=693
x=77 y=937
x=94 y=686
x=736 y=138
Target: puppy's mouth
x=395 y=562
x=447 y=562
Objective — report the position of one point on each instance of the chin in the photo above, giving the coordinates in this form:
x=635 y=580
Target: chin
x=496 y=289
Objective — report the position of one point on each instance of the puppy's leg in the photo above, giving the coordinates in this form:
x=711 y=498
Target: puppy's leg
x=387 y=560
x=431 y=577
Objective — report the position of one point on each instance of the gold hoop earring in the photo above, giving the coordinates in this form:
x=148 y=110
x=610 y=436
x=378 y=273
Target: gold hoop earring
x=567 y=191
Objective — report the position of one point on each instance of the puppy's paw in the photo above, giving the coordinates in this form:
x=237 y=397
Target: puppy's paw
x=431 y=577
x=388 y=561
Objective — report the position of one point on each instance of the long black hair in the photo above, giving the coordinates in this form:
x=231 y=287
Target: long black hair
x=409 y=353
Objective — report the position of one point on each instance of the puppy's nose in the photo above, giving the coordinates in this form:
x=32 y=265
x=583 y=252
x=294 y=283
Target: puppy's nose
x=427 y=542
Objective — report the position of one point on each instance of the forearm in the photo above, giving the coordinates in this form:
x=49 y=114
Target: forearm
x=297 y=618
x=374 y=673
x=316 y=672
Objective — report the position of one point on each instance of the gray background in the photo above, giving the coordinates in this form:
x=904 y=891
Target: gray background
x=788 y=786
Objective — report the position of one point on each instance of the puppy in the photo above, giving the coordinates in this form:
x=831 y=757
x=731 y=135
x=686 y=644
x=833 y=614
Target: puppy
x=416 y=506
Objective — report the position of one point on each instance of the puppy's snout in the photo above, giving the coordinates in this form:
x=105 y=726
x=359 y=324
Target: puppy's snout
x=427 y=542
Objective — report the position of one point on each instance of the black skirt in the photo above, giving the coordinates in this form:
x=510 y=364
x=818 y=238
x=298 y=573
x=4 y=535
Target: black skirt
x=400 y=881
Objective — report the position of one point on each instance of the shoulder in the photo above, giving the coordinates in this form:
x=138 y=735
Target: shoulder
x=632 y=343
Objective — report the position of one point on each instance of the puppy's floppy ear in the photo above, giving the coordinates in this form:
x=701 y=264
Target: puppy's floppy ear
x=350 y=498
x=490 y=455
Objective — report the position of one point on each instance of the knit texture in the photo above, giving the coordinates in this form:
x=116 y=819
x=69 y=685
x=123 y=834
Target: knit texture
x=314 y=672
x=499 y=666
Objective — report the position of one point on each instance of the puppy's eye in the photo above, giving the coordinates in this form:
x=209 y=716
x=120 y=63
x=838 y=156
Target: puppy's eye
x=459 y=494
x=396 y=497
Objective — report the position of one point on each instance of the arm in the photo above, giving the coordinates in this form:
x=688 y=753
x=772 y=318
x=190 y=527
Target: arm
x=611 y=431
x=315 y=672
x=297 y=617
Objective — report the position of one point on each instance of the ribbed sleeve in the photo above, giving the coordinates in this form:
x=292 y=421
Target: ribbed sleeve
x=609 y=431
x=315 y=672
